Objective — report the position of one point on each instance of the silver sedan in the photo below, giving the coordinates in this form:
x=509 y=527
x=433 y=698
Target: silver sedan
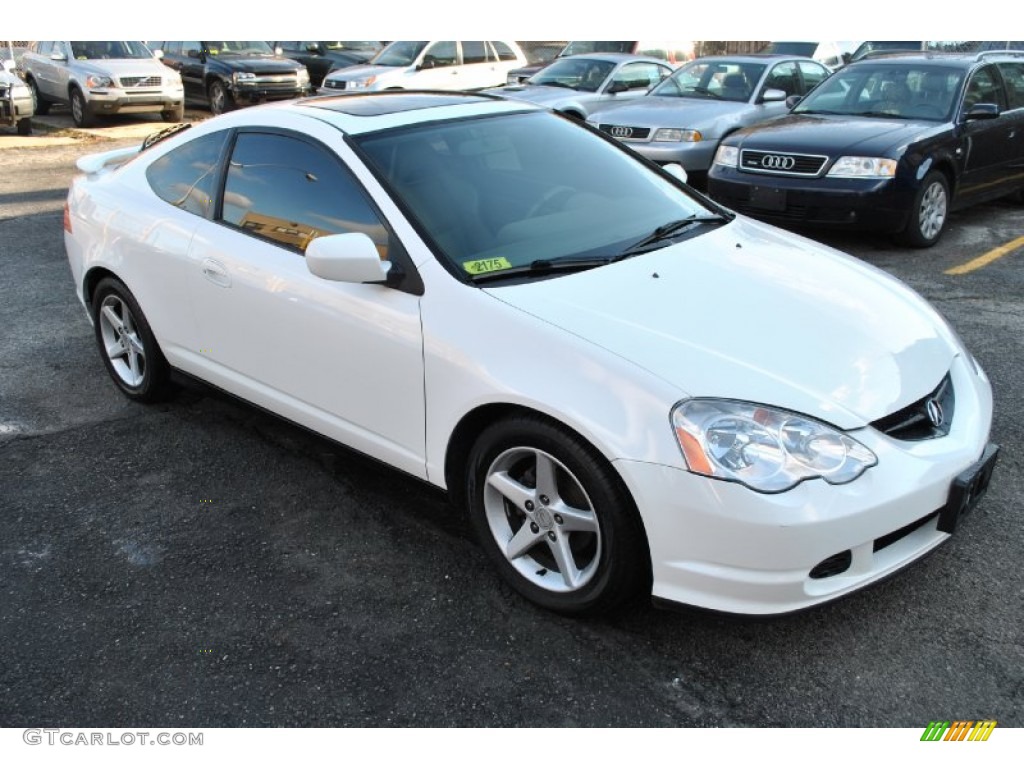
x=577 y=85
x=688 y=114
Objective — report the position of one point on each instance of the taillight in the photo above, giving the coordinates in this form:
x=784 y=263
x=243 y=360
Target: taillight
x=67 y=217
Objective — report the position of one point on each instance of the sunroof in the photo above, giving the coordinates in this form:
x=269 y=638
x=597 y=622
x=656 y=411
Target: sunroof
x=387 y=103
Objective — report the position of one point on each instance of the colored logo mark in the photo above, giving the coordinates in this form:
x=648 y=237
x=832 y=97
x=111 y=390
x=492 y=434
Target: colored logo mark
x=958 y=730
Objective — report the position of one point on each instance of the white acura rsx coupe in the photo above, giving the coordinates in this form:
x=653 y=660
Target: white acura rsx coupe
x=629 y=388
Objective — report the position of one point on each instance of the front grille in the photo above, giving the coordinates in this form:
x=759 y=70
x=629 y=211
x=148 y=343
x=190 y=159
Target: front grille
x=891 y=538
x=781 y=163
x=141 y=82
x=625 y=131
x=338 y=85
x=924 y=419
x=274 y=78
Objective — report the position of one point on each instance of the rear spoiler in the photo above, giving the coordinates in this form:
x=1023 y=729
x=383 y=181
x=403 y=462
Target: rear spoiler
x=96 y=162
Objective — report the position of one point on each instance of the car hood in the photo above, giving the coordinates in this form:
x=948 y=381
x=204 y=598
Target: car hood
x=831 y=134
x=359 y=72
x=538 y=94
x=247 y=63
x=659 y=111
x=748 y=312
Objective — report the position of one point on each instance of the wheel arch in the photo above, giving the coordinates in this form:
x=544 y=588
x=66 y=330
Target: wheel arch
x=91 y=279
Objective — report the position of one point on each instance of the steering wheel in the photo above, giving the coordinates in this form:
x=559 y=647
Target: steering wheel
x=551 y=201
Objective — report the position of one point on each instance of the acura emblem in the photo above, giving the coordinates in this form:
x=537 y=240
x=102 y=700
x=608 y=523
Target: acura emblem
x=621 y=131
x=934 y=411
x=778 y=162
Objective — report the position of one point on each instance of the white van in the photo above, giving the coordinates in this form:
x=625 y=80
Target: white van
x=436 y=66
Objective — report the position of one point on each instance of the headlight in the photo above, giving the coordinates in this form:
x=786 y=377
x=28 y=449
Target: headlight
x=303 y=75
x=98 y=81
x=21 y=91
x=242 y=76
x=366 y=82
x=729 y=156
x=872 y=167
x=676 y=134
x=765 y=449
x=174 y=81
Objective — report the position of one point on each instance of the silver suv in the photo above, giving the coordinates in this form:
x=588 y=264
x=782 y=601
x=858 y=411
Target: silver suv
x=15 y=100
x=102 y=78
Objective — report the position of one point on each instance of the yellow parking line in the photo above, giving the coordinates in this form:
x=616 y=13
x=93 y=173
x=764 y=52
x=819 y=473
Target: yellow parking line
x=987 y=258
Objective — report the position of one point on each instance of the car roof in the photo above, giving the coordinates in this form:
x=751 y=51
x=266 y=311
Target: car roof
x=368 y=112
x=754 y=57
x=966 y=60
x=615 y=58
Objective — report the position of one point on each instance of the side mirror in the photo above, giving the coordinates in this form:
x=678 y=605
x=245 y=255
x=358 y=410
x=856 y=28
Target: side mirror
x=195 y=53
x=347 y=258
x=792 y=101
x=278 y=50
x=617 y=87
x=773 y=94
x=982 y=112
x=59 y=56
x=158 y=53
x=675 y=169
x=311 y=48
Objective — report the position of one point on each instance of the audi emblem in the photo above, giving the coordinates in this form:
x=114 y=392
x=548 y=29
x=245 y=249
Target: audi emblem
x=934 y=411
x=778 y=162
x=621 y=131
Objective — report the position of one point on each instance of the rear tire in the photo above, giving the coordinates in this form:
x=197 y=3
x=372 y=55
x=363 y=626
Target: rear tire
x=127 y=345
x=42 y=105
x=221 y=100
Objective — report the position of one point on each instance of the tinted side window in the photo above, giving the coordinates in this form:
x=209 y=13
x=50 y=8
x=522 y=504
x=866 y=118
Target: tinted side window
x=983 y=88
x=1013 y=77
x=783 y=76
x=505 y=52
x=185 y=177
x=473 y=52
x=287 y=190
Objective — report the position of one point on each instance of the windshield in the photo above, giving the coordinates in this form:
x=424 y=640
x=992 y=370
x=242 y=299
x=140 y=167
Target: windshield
x=236 y=47
x=887 y=88
x=791 y=49
x=717 y=79
x=401 y=53
x=513 y=190
x=352 y=45
x=596 y=46
x=578 y=74
x=110 y=49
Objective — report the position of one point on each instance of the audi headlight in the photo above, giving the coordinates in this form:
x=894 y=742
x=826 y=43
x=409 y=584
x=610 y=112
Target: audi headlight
x=676 y=134
x=766 y=449
x=864 y=167
x=239 y=77
x=98 y=81
x=729 y=156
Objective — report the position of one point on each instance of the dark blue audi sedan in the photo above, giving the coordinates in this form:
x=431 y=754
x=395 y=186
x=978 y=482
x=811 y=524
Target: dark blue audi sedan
x=891 y=144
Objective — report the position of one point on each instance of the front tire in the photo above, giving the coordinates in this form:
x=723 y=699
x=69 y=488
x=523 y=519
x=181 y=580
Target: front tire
x=25 y=126
x=173 y=115
x=555 y=518
x=221 y=100
x=80 y=112
x=126 y=343
x=929 y=212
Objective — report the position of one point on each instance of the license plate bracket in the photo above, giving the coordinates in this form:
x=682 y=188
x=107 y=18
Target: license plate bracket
x=768 y=198
x=967 y=489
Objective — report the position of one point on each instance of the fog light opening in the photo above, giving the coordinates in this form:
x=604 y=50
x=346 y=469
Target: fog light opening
x=832 y=566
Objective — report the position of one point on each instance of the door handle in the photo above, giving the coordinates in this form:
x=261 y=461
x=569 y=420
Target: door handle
x=215 y=272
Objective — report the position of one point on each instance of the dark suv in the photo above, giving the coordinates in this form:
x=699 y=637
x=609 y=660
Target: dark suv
x=225 y=74
x=891 y=144
x=323 y=56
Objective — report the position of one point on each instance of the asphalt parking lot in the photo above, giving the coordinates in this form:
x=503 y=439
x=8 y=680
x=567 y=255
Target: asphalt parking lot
x=203 y=564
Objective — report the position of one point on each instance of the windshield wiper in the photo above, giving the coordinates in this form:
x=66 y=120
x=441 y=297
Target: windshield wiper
x=545 y=267
x=670 y=230
x=556 y=84
x=705 y=92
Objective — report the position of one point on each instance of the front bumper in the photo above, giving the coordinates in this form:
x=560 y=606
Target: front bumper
x=694 y=156
x=880 y=205
x=258 y=92
x=13 y=109
x=113 y=101
x=721 y=546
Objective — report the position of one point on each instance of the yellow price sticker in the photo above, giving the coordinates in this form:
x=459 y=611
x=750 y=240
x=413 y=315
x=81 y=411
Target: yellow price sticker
x=483 y=266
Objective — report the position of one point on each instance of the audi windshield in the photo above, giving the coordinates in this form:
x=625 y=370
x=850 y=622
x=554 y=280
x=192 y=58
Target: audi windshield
x=888 y=89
